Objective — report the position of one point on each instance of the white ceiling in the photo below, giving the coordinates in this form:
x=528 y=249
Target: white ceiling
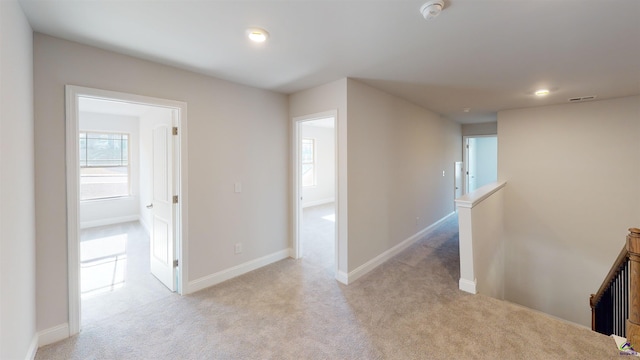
x=488 y=55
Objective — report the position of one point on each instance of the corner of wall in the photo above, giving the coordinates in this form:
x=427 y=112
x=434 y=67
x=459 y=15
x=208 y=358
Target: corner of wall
x=17 y=198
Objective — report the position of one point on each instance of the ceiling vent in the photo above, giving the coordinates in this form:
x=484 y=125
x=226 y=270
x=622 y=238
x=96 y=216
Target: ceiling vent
x=582 y=98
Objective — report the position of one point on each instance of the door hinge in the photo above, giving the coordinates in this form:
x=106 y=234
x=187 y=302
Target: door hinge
x=175 y=199
x=175 y=263
x=175 y=130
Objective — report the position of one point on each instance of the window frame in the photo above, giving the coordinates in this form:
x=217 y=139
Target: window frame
x=127 y=166
x=312 y=162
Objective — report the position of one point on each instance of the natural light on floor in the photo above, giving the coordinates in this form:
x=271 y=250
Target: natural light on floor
x=103 y=264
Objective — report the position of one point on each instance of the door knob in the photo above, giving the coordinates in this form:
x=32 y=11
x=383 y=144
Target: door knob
x=150 y=206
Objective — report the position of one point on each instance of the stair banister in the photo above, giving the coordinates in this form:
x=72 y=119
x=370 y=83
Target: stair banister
x=633 y=322
x=615 y=307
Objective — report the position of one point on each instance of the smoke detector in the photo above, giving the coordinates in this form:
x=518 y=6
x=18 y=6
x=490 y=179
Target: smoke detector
x=432 y=9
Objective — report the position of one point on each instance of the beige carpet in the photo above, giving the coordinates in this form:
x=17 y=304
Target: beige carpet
x=408 y=308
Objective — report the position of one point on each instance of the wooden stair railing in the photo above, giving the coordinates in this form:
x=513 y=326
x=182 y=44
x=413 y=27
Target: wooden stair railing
x=615 y=307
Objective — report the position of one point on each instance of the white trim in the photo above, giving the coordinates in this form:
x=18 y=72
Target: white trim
x=318 y=202
x=224 y=275
x=549 y=315
x=341 y=187
x=72 y=94
x=53 y=334
x=109 y=221
x=474 y=198
x=342 y=277
x=297 y=206
x=380 y=259
x=145 y=225
x=33 y=348
x=73 y=208
x=296 y=190
x=468 y=285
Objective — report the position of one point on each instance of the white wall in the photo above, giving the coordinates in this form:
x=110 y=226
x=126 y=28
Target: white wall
x=235 y=133
x=17 y=206
x=573 y=173
x=113 y=211
x=324 y=191
x=397 y=153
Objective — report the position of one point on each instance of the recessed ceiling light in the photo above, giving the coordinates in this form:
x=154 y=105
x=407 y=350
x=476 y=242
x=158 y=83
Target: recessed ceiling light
x=257 y=35
x=466 y=110
x=542 y=92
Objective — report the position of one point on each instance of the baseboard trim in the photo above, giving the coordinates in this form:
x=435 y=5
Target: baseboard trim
x=224 y=275
x=586 y=327
x=318 y=202
x=467 y=285
x=145 y=225
x=109 y=221
x=53 y=334
x=380 y=259
x=33 y=348
x=342 y=277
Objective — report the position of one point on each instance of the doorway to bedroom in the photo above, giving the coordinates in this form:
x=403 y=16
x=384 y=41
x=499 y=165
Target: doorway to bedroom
x=316 y=168
x=124 y=175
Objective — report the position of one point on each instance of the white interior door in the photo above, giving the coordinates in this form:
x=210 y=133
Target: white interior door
x=162 y=252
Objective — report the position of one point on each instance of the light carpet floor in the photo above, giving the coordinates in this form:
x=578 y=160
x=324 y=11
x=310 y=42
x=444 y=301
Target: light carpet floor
x=408 y=308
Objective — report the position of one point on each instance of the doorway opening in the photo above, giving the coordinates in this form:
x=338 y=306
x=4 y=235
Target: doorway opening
x=480 y=161
x=316 y=205
x=125 y=202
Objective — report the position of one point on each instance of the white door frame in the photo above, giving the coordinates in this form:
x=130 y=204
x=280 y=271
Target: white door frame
x=465 y=163
x=73 y=93
x=340 y=189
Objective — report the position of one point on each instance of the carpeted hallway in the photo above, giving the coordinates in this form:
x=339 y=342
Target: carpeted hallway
x=408 y=308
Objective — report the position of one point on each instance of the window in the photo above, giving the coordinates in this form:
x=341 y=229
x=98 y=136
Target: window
x=308 y=162
x=104 y=165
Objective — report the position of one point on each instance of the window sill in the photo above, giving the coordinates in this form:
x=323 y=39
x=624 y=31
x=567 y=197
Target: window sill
x=115 y=198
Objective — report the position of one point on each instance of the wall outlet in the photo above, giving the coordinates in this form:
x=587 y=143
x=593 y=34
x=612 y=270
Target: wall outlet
x=238 y=248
